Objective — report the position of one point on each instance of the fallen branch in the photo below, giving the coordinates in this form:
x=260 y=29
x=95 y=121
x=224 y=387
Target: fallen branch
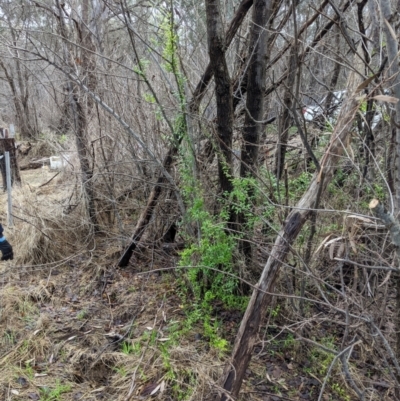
x=34 y=164
x=51 y=179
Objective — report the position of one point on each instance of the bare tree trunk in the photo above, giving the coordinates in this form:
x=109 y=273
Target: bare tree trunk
x=285 y=119
x=390 y=19
x=393 y=227
x=335 y=75
x=201 y=87
x=255 y=87
x=261 y=298
x=80 y=125
x=20 y=96
x=169 y=158
x=8 y=145
x=394 y=70
x=223 y=92
x=374 y=36
x=79 y=112
x=255 y=101
x=84 y=109
x=87 y=54
x=28 y=127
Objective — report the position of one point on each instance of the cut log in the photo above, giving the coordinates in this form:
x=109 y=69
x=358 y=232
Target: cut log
x=34 y=164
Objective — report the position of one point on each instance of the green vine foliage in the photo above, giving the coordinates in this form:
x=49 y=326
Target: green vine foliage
x=209 y=277
x=170 y=40
x=210 y=257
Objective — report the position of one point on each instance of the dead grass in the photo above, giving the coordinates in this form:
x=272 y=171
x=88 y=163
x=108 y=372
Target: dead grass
x=103 y=346
x=73 y=324
x=44 y=230
x=70 y=321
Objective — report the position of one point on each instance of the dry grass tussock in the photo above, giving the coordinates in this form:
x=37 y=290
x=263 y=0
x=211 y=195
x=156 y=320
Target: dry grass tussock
x=44 y=232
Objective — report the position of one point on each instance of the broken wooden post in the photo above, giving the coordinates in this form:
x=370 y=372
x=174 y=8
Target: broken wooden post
x=8 y=180
x=8 y=145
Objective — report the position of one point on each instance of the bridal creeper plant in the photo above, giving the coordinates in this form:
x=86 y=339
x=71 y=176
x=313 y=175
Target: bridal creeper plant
x=208 y=257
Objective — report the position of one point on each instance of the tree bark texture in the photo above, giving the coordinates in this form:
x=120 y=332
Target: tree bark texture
x=335 y=75
x=20 y=98
x=201 y=87
x=80 y=125
x=255 y=87
x=394 y=73
x=255 y=101
x=285 y=119
x=223 y=92
x=79 y=113
x=239 y=88
x=393 y=227
x=262 y=295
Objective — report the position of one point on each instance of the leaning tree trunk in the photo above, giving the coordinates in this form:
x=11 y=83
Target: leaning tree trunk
x=393 y=227
x=147 y=213
x=261 y=298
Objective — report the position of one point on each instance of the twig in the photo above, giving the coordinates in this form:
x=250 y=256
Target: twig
x=349 y=378
x=37 y=228
x=339 y=355
x=386 y=344
x=282 y=397
x=51 y=179
x=391 y=269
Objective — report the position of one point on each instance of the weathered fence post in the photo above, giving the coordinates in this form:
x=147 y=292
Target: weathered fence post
x=8 y=145
x=8 y=180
